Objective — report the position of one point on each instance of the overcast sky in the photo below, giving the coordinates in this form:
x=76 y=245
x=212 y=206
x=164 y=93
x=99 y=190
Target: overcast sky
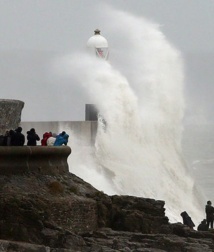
x=33 y=31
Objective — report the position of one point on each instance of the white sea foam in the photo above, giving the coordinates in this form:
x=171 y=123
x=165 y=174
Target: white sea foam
x=138 y=152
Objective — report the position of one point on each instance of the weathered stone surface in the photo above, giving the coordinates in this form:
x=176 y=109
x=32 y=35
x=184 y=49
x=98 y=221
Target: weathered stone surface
x=62 y=213
x=10 y=114
x=10 y=246
x=137 y=214
x=118 y=240
x=49 y=160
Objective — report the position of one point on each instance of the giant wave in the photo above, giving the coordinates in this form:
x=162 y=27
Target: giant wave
x=139 y=93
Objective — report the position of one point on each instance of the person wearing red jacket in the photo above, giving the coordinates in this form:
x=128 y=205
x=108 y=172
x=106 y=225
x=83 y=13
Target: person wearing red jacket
x=46 y=135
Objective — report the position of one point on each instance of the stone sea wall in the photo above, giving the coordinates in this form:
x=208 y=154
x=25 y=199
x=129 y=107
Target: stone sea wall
x=18 y=160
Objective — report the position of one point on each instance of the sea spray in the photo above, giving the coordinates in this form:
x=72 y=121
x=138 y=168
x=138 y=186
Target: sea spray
x=137 y=151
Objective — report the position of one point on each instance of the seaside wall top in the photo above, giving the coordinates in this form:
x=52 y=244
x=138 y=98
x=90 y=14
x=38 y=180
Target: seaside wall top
x=47 y=160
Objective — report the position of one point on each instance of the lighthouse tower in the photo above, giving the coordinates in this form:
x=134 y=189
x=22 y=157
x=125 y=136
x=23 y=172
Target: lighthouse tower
x=98 y=45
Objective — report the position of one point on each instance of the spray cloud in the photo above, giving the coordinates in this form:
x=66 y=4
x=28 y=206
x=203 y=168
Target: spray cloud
x=138 y=152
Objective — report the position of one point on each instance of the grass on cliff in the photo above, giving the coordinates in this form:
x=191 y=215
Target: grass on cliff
x=56 y=187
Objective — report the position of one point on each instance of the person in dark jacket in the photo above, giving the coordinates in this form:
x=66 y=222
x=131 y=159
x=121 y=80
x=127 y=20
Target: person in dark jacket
x=9 y=138
x=32 y=137
x=61 y=139
x=5 y=137
x=18 y=138
x=203 y=226
x=1 y=140
x=187 y=220
x=209 y=210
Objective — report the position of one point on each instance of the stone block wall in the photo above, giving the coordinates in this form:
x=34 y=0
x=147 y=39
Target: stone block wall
x=10 y=114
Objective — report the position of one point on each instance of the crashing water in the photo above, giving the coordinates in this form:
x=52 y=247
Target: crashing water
x=138 y=152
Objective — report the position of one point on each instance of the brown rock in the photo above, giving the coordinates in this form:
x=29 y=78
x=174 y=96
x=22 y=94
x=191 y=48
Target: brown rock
x=62 y=213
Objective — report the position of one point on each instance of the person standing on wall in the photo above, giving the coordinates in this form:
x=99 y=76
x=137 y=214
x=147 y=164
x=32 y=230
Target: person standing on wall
x=18 y=137
x=32 y=137
x=61 y=139
x=46 y=135
x=51 y=140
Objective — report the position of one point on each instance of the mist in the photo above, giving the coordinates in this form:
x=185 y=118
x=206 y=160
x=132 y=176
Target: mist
x=138 y=150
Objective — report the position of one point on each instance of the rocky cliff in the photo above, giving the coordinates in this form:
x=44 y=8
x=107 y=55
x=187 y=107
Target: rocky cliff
x=62 y=213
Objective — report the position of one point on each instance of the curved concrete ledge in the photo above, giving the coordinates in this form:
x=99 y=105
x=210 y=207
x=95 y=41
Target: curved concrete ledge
x=48 y=160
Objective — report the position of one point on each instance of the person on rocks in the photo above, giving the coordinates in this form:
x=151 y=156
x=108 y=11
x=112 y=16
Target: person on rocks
x=209 y=210
x=18 y=138
x=187 y=220
x=32 y=137
x=51 y=140
x=203 y=226
x=61 y=139
x=46 y=135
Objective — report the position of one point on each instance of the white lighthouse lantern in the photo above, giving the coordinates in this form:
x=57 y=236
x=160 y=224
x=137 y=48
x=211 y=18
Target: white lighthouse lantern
x=98 y=45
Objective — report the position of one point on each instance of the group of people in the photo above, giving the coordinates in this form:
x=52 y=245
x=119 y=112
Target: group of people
x=51 y=139
x=205 y=223
x=12 y=138
x=17 y=138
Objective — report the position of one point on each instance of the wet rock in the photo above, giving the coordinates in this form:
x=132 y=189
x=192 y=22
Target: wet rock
x=77 y=217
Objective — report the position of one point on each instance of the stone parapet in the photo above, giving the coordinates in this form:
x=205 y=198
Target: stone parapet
x=47 y=160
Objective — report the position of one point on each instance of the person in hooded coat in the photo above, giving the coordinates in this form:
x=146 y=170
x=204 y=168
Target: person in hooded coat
x=51 y=140
x=9 y=138
x=203 y=226
x=18 y=137
x=32 y=137
x=187 y=220
x=61 y=139
x=46 y=135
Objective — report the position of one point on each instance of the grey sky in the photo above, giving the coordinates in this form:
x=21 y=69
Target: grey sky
x=32 y=31
x=51 y=24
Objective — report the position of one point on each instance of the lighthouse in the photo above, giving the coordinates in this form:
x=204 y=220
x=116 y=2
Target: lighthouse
x=98 y=45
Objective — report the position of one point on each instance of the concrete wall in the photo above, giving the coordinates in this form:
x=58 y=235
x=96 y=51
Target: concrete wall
x=48 y=160
x=84 y=130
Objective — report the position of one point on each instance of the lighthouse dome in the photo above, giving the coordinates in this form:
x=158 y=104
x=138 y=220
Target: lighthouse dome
x=98 y=45
x=97 y=41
